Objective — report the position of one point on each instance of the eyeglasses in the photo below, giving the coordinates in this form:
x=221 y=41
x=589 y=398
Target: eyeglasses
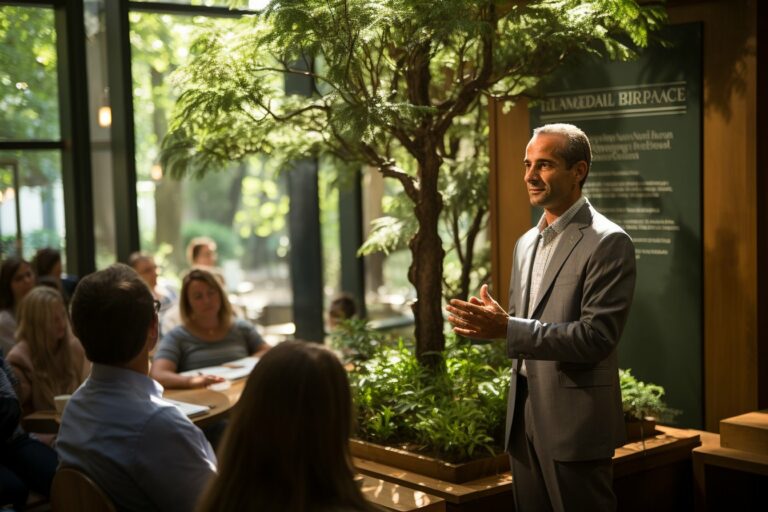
x=158 y=305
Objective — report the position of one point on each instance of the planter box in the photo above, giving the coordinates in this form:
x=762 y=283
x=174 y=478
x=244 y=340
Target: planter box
x=428 y=466
x=638 y=430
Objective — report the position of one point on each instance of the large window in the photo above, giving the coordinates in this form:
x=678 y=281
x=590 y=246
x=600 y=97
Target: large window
x=242 y=206
x=31 y=196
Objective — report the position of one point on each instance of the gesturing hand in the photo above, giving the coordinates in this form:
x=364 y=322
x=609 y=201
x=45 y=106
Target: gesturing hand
x=201 y=381
x=480 y=317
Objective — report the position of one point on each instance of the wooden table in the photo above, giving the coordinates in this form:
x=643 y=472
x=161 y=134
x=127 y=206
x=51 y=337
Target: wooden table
x=655 y=475
x=220 y=402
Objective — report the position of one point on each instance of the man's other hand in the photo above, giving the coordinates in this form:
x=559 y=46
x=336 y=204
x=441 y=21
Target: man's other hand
x=481 y=318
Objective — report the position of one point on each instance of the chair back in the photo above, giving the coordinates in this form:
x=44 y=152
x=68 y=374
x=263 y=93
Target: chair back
x=73 y=490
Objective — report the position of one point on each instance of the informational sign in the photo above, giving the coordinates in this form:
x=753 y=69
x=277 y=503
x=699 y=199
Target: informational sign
x=643 y=119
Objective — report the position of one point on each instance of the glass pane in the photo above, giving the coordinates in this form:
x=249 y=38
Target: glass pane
x=31 y=203
x=29 y=103
x=101 y=149
x=242 y=207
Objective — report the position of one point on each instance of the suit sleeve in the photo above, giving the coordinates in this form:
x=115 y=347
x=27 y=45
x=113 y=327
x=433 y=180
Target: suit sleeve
x=608 y=288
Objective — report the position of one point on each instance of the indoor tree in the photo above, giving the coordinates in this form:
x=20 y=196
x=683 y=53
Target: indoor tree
x=391 y=79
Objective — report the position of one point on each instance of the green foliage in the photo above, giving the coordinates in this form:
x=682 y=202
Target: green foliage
x=226 y=241
x=32 y=241
x=455 y=412
x=356 y=341
x=640 y=400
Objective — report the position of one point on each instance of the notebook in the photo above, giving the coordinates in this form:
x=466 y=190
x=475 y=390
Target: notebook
x=232 y=370
x=189 y=410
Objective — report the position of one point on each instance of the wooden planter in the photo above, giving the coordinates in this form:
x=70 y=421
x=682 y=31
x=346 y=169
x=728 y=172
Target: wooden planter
x=428 y=466
x=638 y=430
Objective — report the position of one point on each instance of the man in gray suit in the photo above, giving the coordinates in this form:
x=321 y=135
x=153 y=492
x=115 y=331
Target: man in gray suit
x=573 y=277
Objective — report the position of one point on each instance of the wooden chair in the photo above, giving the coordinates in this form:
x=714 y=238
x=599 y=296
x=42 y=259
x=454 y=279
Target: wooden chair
x=73 y=490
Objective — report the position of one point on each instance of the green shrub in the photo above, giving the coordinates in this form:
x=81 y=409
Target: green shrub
x=640 y=400
x=455 y=412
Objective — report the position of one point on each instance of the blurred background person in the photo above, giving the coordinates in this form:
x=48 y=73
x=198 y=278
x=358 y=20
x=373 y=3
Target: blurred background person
x=209 y=334
x=287 y=447
x=341 y=308
x=201 y=252
x=16 y=281
x=144 y=265
x=47 y=359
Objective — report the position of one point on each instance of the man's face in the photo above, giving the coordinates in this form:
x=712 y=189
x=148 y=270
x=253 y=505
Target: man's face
x=551 y=184
x=207 y=256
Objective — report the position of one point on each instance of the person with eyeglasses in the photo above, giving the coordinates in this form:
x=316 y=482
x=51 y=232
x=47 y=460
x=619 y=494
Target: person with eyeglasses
x=144 y=265
x=209 y=335
x=141 y=450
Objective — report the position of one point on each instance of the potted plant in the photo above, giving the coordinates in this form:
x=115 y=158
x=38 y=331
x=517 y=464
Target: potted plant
x=449 y=425
x=643 y=406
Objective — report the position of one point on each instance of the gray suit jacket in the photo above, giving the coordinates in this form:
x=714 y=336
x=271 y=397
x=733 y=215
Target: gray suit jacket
x=569 y=339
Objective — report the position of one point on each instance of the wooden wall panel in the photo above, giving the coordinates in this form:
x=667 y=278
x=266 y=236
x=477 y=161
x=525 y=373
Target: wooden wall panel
x=730 y=199
x=510 y=210
x=730 y=206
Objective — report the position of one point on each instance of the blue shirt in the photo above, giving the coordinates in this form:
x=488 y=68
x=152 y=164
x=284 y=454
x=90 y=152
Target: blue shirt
x=141 y=450
x=189 y=352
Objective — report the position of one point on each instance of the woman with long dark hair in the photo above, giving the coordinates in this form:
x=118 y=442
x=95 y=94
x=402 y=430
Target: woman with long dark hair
x=287 y=447
x=16 y=281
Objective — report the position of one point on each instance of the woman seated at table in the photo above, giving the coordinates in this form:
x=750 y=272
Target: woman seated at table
x=288 y=449
x=208 y=336
x=47 y=359
x=16 y=280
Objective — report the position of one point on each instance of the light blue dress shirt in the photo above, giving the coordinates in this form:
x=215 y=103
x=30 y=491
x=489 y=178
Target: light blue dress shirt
x=141 y=450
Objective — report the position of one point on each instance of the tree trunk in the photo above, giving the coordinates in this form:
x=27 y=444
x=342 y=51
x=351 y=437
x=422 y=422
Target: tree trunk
x=426 y=271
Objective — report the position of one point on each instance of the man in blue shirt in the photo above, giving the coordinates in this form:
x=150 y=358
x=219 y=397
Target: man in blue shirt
x=141 y=450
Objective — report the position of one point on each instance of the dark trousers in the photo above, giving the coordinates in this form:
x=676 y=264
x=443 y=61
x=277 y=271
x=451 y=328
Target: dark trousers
x=25 y=464
x=543 y=484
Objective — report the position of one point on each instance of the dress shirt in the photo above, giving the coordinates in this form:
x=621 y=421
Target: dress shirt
x=141 y=450
x=546 y=244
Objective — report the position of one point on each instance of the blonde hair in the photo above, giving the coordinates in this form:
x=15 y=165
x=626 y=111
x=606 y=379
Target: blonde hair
x=185 y=308
x=55 y=372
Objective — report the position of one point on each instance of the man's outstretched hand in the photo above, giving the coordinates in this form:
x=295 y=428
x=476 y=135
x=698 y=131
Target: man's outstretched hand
x=480 y=317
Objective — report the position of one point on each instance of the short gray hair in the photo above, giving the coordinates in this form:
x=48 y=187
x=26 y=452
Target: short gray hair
x=576 y=149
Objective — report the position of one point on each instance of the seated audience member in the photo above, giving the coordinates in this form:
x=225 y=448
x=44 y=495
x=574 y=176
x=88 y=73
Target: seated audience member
x=47 y=268
x=288 y=449
x=141 y=450
x=16 y=280
x=201 y=252
x=208 y=336
x=144 y=265
x=25 y=464
x=341 y=308
x=47 y=359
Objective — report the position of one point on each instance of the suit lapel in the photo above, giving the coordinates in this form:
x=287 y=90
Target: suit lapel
x=570 y=237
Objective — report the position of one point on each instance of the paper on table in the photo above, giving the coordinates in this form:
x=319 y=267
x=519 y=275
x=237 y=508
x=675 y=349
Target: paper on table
x=232 y=370
x=189 y=410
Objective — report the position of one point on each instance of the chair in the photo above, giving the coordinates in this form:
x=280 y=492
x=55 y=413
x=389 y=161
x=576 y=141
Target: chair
x=73 y=490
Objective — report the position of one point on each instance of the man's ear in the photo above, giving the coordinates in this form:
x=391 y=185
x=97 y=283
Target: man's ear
x=581 y=169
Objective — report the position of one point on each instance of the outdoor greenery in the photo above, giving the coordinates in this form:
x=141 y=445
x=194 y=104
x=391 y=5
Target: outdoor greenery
x=392 y=82
x=640 y=400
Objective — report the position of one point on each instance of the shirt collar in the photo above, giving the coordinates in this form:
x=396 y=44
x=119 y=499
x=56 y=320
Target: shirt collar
x=126 y=378
x=550 y=232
